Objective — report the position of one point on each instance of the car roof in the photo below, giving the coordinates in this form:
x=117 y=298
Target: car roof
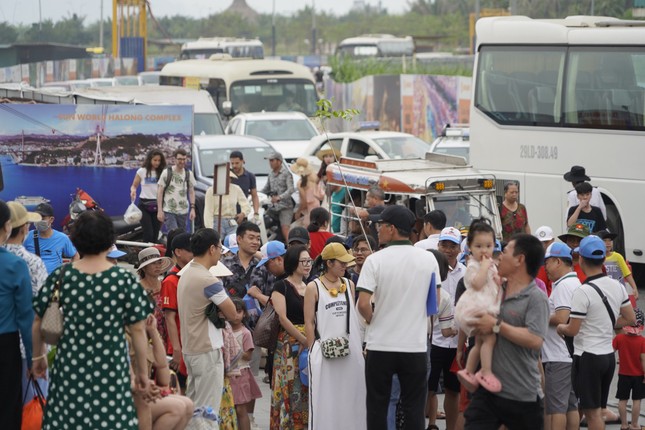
x=235 y=141
x=270 y=116
x=371 y=134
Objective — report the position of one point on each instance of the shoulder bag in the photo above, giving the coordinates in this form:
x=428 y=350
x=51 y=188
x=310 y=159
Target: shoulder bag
x=337 y=347
x=51 y=325
x=267 y=328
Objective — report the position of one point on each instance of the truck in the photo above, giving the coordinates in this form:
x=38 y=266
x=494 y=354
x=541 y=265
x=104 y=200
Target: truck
x=438 y=181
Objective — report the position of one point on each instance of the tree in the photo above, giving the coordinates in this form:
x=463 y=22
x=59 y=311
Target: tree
x=8 y=33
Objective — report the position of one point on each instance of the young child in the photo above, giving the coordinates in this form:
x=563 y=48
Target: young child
x=631 y=354
x=481 y=295
x=584 y=213
x=616 y=266
x=245 y=389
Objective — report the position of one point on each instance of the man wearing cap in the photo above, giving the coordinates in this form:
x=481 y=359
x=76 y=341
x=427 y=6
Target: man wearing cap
x=299 y=236
x=280 y=187
x=560 y=403
x=181 y=254
x=244 y=179
x=544 y=235
x=51 y=245
x=598 y=306
x=433 y=222
x=401 y=281
x=20 y=220
x=444 y=349
x=577 y=175
x=572 y=238
x=202 y=342
x=521 y=327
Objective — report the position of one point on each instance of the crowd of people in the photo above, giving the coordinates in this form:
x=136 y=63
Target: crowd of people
x=370 y=326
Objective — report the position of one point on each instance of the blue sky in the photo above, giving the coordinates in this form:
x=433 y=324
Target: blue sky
x=27 y=11
x=64 y=119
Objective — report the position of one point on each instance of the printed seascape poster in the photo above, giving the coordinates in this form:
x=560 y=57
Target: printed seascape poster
x=48 y=151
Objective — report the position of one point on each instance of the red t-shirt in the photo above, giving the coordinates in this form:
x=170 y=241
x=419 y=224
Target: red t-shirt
x=547 y=282
x=580 y=273
x=629 y=349
x=169 y=302
x=318 y=239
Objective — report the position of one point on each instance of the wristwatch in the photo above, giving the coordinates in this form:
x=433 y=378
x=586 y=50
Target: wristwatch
x=497 y=325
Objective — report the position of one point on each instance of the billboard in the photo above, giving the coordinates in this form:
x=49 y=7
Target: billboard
x=48 y=151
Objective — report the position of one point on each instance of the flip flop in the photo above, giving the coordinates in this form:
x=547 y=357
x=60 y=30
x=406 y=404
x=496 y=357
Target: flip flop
x=489 y=382
x=468 y=380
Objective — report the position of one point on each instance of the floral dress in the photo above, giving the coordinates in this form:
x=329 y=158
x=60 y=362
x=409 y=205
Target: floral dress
x=90 y=379
x=513 y=221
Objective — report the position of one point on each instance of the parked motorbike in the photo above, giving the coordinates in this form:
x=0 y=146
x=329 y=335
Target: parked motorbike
x=271 y=218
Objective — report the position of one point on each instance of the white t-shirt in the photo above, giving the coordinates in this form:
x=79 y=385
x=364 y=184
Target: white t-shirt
x=596 y=332
x=554 y=349
x=431 y=242
x=448 y=288
x=148 y=184
x=399 y=278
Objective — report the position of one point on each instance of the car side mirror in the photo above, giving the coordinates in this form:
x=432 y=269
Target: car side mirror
x=227 y=108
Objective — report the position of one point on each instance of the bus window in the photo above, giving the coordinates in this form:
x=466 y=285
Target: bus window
x=217 y=90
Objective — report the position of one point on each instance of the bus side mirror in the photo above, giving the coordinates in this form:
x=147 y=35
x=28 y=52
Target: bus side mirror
x=227 y=108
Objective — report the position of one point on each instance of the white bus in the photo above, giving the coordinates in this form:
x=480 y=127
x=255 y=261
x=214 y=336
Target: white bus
x=243 y=85
x=204 y=47
x=550 y=94
x=376 y=45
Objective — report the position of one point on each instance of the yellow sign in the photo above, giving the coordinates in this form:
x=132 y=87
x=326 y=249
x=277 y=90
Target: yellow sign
x=191 y=83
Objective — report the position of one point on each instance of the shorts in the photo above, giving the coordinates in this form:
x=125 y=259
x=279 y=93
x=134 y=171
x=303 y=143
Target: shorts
x=286 y=216
x=559 y=397
x=591 y=375
x=627 y=384
x=440 y=362
x=488 y=411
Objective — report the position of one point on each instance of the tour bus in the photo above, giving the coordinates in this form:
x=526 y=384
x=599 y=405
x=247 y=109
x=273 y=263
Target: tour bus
x=204 y=47
x=551 y=94
x=439 y=181
x=376 y=45
x=244 y=85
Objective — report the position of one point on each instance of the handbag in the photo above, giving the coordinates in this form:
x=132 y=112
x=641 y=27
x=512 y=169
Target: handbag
x=51 y=325
x=267 y=328
x=149 y=205
x=337 y=347
x=33 y=411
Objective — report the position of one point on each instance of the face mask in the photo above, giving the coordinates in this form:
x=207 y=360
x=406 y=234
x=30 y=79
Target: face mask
x=42 y=226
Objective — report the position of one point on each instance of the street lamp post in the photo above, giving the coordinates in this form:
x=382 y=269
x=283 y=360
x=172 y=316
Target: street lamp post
x=313 y=27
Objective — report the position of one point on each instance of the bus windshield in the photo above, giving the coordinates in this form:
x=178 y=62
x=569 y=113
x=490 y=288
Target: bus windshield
x=274 y=95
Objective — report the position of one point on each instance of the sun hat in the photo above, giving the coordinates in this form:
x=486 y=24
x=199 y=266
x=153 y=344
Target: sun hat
x=219 y=270
x=151 y=255
x=451 y=234
x=578 y=230
x=230 y=243
x=325 y=150
x=558 y=250
x=45 y=209
x=576 y=174
x=271 y=250
x=301 y=167
x=299 y=234
x=544 y=233
x=399 y=216
x=20 y=216
x=592 y=247
x=336 y=251
x=115 y=253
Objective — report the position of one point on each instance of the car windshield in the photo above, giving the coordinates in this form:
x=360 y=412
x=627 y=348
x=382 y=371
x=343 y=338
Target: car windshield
x=460 y=151
x=461 y=210
x=126 y=80
x=281 y=129
x=407 y=147
x=254 y=160
x=151 y=79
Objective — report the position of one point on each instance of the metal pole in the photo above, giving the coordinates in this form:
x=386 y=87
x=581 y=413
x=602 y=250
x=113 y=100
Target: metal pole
x=313 y=27
x=40 y=20
x=273 y=31
x=101 y=27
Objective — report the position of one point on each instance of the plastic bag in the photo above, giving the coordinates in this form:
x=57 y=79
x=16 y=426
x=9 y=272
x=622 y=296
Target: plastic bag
x=132 y=214
x=33 y=411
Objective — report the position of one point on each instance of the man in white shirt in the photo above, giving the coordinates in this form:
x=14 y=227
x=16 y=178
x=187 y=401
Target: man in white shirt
x=561 y=405
x=401 y=280
x=597 y=307
x=433 y=222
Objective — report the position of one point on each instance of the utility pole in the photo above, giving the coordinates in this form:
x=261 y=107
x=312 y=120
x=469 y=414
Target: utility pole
x=313 y=27
x=101 y=27
x=273 y=31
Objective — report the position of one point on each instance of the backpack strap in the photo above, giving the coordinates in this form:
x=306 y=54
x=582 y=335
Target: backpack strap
x=605 y=302
x=36 y=243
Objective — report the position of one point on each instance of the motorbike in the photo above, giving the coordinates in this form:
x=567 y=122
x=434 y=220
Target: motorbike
x=271 y=219
x=132 y=234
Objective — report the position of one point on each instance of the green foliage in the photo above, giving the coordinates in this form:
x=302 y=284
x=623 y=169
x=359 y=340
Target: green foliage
x=8 y=33
x=325 y=111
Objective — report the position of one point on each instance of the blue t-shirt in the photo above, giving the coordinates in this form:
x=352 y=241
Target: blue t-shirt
x=52 y=249
x=246 y=181
x=16 y=310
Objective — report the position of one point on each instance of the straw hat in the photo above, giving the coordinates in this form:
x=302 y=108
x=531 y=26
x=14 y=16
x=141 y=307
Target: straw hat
x=301 y=167
x=328 y=150
x=152 y=255
x=20 y=216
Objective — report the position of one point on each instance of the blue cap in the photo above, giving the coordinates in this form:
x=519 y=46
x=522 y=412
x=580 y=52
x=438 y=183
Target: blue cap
x=230 y=242
x=115 y=253
x=558 y=250
x=592 y=247
x=271 y=250
x=498 y=246
x=451 y=234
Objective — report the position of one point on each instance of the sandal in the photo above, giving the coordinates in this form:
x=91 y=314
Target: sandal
x=489 y=382
x=442 y=415
x=468 y=380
